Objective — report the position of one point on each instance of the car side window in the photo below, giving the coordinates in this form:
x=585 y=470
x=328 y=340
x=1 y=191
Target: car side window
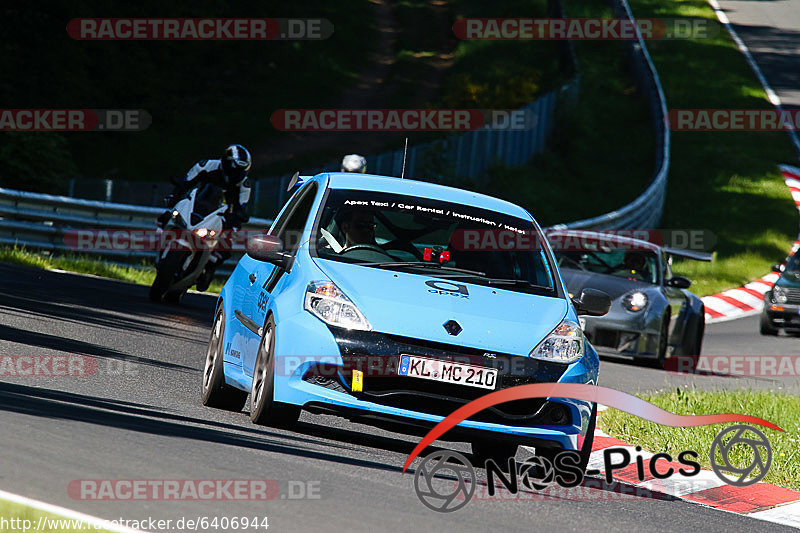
x=292 y=230
x=285 y=213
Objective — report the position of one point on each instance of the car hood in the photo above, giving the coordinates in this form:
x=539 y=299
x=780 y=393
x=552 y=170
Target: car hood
x=403 y=304
x=790 y=280
x=614 y=286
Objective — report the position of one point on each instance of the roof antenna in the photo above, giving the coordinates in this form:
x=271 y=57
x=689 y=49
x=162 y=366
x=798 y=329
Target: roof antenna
x=405 y=153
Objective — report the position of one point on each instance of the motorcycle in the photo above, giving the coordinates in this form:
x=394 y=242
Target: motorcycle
x=193 y=229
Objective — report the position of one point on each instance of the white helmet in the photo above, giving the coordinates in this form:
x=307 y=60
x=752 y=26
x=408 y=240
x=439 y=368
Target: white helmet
x=354 y=163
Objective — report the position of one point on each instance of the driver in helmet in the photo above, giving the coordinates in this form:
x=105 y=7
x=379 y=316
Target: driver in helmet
x=358 y=226
x=228 y=173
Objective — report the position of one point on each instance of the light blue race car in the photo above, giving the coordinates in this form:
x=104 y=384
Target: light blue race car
x=393 y=302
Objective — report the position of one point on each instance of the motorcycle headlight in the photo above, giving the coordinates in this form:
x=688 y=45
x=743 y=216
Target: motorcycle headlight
x=327 y=302
x=563 y=345
x=779 y=295
x=201 y=232
x=635 y=301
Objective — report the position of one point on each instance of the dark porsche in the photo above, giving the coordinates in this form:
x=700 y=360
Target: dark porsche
x=653 y=315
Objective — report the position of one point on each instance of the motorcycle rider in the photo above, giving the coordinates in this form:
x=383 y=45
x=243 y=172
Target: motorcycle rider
x=229 y=173
x=354 y=163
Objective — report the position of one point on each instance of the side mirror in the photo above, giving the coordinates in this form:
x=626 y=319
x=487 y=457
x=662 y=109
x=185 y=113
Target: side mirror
x=679 y=282
x=268 y=248
x=777 y=268
x=592 y=302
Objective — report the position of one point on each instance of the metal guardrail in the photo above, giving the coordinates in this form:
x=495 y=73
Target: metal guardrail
x=42 y=221
x=646 y=210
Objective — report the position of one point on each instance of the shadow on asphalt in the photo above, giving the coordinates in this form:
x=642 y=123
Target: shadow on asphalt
x=58 y=405
x=73 y=346
x=100 y=295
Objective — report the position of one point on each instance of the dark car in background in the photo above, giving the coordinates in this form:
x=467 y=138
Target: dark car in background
x=653 y=315
x=782 y=302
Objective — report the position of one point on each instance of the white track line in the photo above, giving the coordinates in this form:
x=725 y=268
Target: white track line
x=771 y=94
x=93 y=521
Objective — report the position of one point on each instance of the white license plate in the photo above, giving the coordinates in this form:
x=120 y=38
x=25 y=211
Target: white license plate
x=447 y=371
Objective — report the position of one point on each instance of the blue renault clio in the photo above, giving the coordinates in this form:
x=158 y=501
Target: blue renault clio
x=393 y=302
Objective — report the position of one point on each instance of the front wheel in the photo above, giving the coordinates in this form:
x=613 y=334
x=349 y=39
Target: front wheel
x=766 y=327
x=264 y=410
x=215 y=392
x=497 y=450
x=584 y=453
x=663 y=342
x=166 y=273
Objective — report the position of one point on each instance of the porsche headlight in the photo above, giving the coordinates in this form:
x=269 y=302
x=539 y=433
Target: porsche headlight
x=779 y=295
x=634 y=301
x=327 y=302
x=563 y=345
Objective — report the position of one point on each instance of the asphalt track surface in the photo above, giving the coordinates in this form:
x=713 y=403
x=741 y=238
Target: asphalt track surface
x=771 y=30
x=140 y=417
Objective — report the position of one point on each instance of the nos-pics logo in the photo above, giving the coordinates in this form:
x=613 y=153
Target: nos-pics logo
x=445 y=480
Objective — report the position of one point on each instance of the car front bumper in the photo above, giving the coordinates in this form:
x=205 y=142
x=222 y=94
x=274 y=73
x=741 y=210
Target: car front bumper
x=622 y=333
x=323 y=383
x=785 y=316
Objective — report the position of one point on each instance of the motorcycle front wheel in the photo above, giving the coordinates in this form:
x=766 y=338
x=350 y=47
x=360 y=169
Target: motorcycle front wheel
x=168 y=269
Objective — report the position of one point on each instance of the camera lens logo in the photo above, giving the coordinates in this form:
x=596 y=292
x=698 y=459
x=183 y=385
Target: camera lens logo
x=454 y=487
x=730 y=449
x=537 y=473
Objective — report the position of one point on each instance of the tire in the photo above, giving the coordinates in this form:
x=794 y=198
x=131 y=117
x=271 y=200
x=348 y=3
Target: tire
x=264 y=410
x=766 y=327
x=497 y=450
x=585 y=452
x=174 y=297
x=214 y=391
x=663 y=343
x=168 y=268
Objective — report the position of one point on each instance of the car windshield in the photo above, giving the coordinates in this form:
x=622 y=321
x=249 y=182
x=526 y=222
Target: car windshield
x=435 y=238
x=793 y=264
x=638 y=265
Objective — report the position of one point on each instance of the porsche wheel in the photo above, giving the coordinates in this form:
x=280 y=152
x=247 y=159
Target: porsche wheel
x=264 y=410
x=663 y=341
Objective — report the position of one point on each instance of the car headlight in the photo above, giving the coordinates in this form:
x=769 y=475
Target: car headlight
x=563 y=345
x=635 y=301
x=327 y=302
x=779 y=295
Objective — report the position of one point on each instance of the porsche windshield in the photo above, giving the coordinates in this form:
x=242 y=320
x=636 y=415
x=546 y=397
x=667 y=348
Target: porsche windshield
x=435 y=238
x=638 y=265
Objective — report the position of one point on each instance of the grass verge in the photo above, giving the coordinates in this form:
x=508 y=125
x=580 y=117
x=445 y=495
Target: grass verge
x=602 y=151
x=725 y=182
x=779 y=408
x=18 y=517
x=141 y=274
